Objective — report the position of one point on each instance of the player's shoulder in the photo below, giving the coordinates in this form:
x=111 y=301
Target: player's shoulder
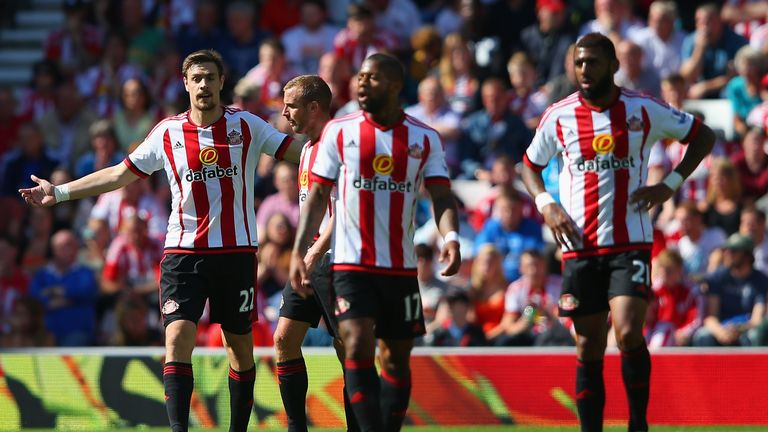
x=167 y=123
x=351 y=118
x=640 y=98
x=554 y=111
x=414 y=122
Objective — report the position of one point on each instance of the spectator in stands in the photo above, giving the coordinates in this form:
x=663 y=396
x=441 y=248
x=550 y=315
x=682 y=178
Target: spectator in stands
x=96 y=240
x=510 y=233
x=525 y=100
x=285 y=200
x=27 y=326
x=735 y=298
x=167 y=84
x=136 y=115
x=39 y=98
x=673 y=312
x=78 y=44
x=65 y=129
x=743 y=90
x=431 y=288
x=143 y=40
x=337 y=73
x=399 y=17
x=752 y=164
x=13 y=281
x=753 y=226
x=247 y=97
x=448 y=19
x=270 y=75
x=530 y=306
x=362 y=37
x=695 y=241
x=117 y=205
x=352 y=105
x=434 y=111
x=759 y=37
x=101 y=85
x=103 y=152
x=486 y=290
x=724 y=193
x=306 y=42
x=660 y=41
x=9 y=122
x=68 y=291
x=563 y=85
x=491 y=132
x=632 y=74
x=502 y=178
x=745 y=16
x=427 y=47
x=547 y=40
x=133 y=327
x=708 y=53
x=274 y=257
x=35 y=244
x=614 y=19
x=457 y=74
x=132 y=260
x=28 y=157
x=204 y=33
x=240 y=46
x=758 y=117
x=455 y=330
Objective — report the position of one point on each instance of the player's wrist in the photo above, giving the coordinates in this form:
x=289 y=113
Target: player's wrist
x=61 y=193
x=673 y=180
x=451 y=236
x=542 y=200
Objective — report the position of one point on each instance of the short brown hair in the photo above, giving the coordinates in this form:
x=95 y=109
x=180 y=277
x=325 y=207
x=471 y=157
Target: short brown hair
x=311 y=88
x=200 y=57
x=669 y=258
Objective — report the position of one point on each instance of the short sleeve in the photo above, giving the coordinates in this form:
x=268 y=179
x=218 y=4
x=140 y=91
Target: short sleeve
x=148 y=156
x=669 y=122
x=544 y=145
x=435 y=168
x=328 y=160
x=272 y=141
x=658 y=157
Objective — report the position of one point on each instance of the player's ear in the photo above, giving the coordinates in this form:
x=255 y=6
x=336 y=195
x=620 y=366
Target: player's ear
x=184 y=78
x=615 y=65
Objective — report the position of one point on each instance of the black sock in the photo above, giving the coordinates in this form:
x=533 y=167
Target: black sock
x=240 y=398
x=349 y=413
x=178 y=383
x=292 y=376
x=362 y=385
x=636 y=371
x=395 y=395
x=590 y=395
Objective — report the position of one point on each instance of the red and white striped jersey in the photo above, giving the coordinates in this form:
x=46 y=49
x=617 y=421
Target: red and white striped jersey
x=605 y=157
x=306 y=161
x=378 y=172
x=211 y=173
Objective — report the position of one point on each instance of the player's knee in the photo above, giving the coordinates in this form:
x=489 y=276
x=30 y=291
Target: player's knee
x=628 y=339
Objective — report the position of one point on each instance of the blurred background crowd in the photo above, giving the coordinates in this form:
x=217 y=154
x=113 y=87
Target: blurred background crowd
x=102 y=73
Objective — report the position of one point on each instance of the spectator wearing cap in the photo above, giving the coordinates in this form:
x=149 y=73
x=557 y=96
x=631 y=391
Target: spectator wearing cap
x=752 y=164
x=78 y=44
x=743 y=90
x=547 y=41
x=660 y=40
x=708 y=53
x=758 y=117
x=455 y=329
x=204 y=33
x=632 y=74
x=307 y=41
x=735 y=297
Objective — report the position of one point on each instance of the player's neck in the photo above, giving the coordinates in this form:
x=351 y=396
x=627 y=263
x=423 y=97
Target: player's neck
x=387 y=117
x=205 y=118
x=317 y=129
x=607 y=100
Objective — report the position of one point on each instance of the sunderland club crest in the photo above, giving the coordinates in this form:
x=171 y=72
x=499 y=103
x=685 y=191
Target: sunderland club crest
x=234 y=138
x=415 y=151
x=635 y=124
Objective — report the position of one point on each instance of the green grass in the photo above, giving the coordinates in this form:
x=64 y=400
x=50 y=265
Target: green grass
x=498 y=429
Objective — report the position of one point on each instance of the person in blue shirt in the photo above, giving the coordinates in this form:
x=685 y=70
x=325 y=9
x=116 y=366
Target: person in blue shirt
x=28 y=158
x=510 y=232
x=104 y=151
x=68 y=291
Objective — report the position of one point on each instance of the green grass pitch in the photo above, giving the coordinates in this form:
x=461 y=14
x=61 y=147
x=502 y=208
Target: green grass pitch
x=494 y=429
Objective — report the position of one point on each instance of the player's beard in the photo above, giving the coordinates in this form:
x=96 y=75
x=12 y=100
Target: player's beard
x=599 y=89
x=372 y=104
x=208 y=104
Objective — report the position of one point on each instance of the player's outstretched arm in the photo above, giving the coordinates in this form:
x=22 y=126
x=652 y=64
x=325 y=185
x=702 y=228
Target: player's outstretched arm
x=447 y=219
x=108 y=179
x=563 y=228
x=311 y=217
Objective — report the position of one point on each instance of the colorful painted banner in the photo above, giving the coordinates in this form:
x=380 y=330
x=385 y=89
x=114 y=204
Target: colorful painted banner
x=106 y=390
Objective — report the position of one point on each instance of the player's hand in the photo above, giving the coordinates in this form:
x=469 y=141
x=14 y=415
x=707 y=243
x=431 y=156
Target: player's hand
x=648 y=197
x=40 y=195
x=564 y=229
x=450 y=253
x=299 y=276
x=310 y=259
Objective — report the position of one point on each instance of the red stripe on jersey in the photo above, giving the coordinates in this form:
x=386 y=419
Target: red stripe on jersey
x=437 y=181
x=693 y=132
x=246 y=131
x=397 y=199
x=559 y=131
x=340 y=144
x=322 y=180
x=199 y=193
x=172 y=161
x=619 y=131
x=646 y=133
x=531 y=165
x=607 y=250
x=591 y=189
x=367 y=201
x=374 y=269
x=280 y=153
x=220 y=143
x=134 y=169
x=425 y=152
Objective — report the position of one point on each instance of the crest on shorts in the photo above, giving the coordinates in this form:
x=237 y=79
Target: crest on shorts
x=568 y=302
x=342 y=305
x=415 y=151
x=234 y=137
x=635 y=124
x=170 y=306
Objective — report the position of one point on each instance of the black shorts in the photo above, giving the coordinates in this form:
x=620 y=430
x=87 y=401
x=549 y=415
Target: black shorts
x=393 y=302
x=226 y=280
x=310 y=309
x=589 y=282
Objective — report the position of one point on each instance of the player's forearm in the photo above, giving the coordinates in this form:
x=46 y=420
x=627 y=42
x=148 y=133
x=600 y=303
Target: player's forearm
x=105 y=180
x=446 y=211
x=698 y=149
x=323 y=243
x=311 y=217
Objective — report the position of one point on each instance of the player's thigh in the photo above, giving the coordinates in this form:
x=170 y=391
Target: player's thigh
x=402 y=314
x=183 y=289
x=321 y=281
x=233 y=299
x=585 y=287
x=630 y=274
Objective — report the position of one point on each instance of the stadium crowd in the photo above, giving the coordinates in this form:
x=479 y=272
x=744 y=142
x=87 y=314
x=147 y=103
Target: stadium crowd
x=481 y=72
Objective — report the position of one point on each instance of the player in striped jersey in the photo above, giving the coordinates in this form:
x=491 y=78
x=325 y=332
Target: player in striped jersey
x=604 y=134
x=378 y=158
x=307 y=105
x=209 y=155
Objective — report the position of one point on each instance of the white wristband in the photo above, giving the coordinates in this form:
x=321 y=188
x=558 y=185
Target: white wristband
x=61 y=193
x=542 y=200
x=673 y=180
x=451 y=236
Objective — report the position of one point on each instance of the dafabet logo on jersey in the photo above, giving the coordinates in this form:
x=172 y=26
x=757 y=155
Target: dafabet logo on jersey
x=604 y=145
x=383 y=165
x=209 y=156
